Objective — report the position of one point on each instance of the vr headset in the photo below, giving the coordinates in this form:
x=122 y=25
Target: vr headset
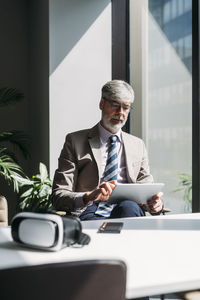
x=47 y=231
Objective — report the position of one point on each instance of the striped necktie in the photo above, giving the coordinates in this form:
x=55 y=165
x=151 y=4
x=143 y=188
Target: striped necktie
x=111 y=172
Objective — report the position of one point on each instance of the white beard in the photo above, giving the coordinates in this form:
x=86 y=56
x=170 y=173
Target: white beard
x=113 y=127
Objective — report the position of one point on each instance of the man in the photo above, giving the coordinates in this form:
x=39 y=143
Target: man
x=92 y=161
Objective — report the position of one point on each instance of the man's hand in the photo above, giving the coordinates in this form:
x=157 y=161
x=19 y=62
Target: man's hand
x=155 y=205
x=101 y=193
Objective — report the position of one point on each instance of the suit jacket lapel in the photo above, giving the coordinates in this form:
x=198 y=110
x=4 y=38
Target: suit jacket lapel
x=94 y=141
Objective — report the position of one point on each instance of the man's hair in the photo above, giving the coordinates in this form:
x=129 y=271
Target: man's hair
x=117 y=90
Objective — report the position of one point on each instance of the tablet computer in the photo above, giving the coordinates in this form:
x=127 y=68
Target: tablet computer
x=138 y=192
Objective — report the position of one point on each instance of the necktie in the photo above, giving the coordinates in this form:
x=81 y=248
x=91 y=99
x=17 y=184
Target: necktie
x=111 y=171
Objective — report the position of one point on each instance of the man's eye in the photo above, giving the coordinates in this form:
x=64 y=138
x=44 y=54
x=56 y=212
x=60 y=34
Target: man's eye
x=126 y=107
x=116 y=105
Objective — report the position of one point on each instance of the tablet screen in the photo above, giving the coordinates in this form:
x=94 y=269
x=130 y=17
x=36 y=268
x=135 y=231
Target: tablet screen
x=139 y=193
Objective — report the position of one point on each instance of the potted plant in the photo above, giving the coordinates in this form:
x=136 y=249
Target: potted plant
x=35 y=191
x=185 y=184
x=9 y=166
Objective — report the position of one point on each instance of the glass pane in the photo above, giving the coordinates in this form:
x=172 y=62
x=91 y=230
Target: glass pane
x=161 y=74
x=174 y=8
x=180 y=7
x=166 y=12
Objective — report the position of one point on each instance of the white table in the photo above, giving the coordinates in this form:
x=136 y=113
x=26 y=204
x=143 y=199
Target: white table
x=161 y=253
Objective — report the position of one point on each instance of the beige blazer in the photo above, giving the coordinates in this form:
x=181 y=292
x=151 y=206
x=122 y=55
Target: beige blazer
x=79 y=168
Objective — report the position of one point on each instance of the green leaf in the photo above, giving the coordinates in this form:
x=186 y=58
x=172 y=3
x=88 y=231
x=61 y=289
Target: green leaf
x=18 y=139
x=10 y=170
x=35 y=192
x=22 y=181
x=43 y=171
x=27 y=194
x=37 y=178
x=25 y=204
x=185 y=184
x=10 y=96
x=45 y=191
x=48 y=182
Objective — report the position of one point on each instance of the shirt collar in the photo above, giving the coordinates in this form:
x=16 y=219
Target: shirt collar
x=105 y=134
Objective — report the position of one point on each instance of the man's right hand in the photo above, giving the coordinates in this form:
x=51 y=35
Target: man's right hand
x=101 y=193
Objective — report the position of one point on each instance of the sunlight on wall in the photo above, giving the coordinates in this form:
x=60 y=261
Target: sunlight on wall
x=76 y=83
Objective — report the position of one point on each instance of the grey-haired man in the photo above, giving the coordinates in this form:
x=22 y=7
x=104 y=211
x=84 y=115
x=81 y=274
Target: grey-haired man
x=90 y=157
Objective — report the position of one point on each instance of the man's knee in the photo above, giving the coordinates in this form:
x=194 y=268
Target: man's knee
x=129 y=203
x=128 y=208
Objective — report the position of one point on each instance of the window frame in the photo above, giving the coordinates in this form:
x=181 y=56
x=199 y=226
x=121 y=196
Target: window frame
x=195 y=106
x=120 y=43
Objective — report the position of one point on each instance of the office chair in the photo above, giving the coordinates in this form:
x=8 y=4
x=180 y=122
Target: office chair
x=80 y=280
x=3 y=211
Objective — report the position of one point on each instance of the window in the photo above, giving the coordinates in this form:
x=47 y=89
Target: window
x=161 y=74
x=167 y=12
x=180 y=7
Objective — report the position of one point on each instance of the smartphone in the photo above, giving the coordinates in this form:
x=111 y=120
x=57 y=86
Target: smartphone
x=110 y=227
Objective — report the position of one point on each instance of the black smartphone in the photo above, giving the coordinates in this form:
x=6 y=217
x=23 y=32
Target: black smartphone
x=110 y=227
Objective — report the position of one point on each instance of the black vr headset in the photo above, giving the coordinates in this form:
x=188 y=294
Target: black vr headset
x=47 y=231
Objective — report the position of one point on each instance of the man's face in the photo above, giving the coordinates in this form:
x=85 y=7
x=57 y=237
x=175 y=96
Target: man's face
x=114 y=114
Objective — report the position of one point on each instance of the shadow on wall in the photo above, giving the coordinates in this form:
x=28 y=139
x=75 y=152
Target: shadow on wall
x=76 y=16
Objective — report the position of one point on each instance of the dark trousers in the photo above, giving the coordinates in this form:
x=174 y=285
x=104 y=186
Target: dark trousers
x=124 y=209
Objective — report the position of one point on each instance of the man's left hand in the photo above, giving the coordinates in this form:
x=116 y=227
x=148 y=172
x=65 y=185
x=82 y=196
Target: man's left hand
x=155 y=205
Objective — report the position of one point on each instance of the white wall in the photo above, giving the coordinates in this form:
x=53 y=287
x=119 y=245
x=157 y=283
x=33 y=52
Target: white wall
x=80 y=63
